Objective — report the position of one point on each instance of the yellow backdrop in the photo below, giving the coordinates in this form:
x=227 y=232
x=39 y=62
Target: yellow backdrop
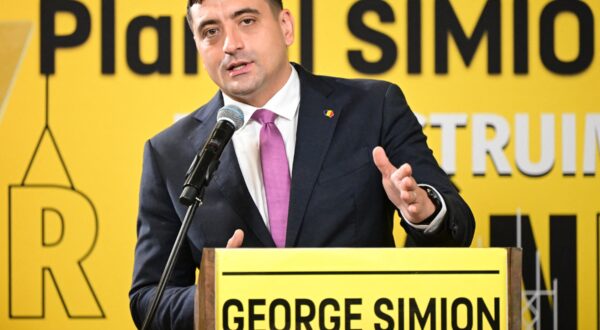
x=506 y=91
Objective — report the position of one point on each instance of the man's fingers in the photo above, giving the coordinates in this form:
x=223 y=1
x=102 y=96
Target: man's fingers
x=399 y=184
x=236 y=240
x=413 y=208
x=403 y=179
x=382 y=162
x=408 y=183
x=405 y=170
x=408 y=196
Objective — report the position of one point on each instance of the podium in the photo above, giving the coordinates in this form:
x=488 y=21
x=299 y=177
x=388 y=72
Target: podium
x=359 y=288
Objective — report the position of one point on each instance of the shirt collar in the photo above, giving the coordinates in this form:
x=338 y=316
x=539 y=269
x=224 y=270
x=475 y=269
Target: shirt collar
x=284 y=103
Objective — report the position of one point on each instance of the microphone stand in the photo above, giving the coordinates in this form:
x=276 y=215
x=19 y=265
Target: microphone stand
x=166 y=275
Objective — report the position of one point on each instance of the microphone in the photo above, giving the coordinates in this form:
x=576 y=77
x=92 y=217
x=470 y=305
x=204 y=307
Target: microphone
x=229 y=119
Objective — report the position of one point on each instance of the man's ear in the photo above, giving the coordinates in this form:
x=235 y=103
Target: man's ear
x=286 y=20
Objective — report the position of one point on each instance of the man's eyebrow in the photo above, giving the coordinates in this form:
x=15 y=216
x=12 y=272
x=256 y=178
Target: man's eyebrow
x=247 y=10
x=237 y=13
x=205 y=23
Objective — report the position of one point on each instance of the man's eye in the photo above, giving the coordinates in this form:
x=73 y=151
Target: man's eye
x=209 y=33
x=248 y=21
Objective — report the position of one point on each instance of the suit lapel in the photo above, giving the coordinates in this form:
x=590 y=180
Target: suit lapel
x=228 y=178
x=313 y=137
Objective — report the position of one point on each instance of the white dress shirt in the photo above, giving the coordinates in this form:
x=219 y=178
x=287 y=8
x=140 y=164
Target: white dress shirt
x=285 y=104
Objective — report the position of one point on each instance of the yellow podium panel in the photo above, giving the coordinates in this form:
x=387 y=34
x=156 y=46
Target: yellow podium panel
x=361 y=288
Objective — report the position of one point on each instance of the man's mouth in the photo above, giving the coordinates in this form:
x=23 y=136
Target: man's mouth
x=238 y=68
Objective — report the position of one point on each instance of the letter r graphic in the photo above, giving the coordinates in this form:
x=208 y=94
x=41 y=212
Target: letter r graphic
x=52 y=230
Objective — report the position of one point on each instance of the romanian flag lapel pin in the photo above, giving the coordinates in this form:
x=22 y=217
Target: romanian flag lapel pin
x=329 y=113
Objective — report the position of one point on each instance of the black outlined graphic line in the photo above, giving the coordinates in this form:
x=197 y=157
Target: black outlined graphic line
x=48 y=130
x=307 y=34
x=47 y=271
x=352 y=273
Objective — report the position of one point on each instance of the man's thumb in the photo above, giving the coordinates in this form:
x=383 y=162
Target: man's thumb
x=236 y=240
x=382 y=162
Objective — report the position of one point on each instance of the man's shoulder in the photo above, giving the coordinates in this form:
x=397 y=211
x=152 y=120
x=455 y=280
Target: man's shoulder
x=176 y=135
x=361 y=83
x=355 y=86
x=176 y=128
x=351 y=90
x=189 y=124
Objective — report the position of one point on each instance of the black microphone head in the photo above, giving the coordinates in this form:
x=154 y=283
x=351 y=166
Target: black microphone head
x=233 y=114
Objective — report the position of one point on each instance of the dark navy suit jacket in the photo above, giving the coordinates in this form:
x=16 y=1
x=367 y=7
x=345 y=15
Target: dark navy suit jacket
x=337 y=199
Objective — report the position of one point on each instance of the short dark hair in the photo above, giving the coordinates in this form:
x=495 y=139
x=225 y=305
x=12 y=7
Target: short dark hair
x=276 y=6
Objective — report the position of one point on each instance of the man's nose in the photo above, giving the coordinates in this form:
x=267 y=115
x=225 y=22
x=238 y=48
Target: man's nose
x=233 y=42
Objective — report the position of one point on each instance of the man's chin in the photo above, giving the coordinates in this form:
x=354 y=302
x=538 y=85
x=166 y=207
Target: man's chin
x=239 y=90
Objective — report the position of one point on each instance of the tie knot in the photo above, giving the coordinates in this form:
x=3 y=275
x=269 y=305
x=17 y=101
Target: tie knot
x=264 y=116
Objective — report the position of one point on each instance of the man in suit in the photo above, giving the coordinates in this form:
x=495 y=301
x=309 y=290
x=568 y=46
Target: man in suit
x=339 y=141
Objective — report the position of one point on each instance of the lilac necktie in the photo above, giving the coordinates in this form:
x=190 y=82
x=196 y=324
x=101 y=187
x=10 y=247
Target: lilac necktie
x=276 y=174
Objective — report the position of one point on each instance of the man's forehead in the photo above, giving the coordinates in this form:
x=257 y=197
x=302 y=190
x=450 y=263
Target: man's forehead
x=230 y=5
x=225 y=9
